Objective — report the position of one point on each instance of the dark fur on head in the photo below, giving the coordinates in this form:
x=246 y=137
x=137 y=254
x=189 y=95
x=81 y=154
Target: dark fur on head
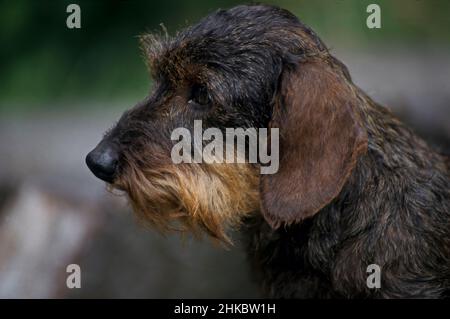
x=355 y=186
x=238 y=55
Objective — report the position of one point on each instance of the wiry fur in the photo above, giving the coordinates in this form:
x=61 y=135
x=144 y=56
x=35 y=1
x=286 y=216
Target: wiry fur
x=355 y=186
x=191 y=197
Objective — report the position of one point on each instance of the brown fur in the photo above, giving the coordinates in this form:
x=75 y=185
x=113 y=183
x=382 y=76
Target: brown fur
x=321 y=139
x=192 y=197
x=355 y=186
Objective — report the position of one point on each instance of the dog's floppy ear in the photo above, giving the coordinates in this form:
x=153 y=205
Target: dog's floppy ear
x=321 y=138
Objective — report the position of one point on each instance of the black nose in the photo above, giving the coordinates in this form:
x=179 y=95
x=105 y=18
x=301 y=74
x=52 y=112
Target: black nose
x=102 y=161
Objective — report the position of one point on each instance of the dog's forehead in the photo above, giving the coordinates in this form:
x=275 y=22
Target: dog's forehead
x=241 y=42
x=221 y=37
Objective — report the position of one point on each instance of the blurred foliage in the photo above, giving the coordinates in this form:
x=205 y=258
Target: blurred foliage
x=45 y=64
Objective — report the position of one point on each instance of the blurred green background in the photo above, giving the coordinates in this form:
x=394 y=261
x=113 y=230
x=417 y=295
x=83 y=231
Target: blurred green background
x=43 y=64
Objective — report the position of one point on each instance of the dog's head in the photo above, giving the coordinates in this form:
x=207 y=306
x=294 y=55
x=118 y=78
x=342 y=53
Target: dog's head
x=250 y=66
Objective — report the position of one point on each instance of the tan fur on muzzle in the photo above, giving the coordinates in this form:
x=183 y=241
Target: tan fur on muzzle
x=209 y=197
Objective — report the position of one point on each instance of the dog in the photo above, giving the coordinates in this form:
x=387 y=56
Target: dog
x=355 y=187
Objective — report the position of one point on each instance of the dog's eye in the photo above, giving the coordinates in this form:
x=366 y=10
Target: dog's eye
x=199 y=96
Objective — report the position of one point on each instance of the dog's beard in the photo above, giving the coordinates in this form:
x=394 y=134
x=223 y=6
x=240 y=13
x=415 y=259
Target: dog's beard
x=192 y=197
